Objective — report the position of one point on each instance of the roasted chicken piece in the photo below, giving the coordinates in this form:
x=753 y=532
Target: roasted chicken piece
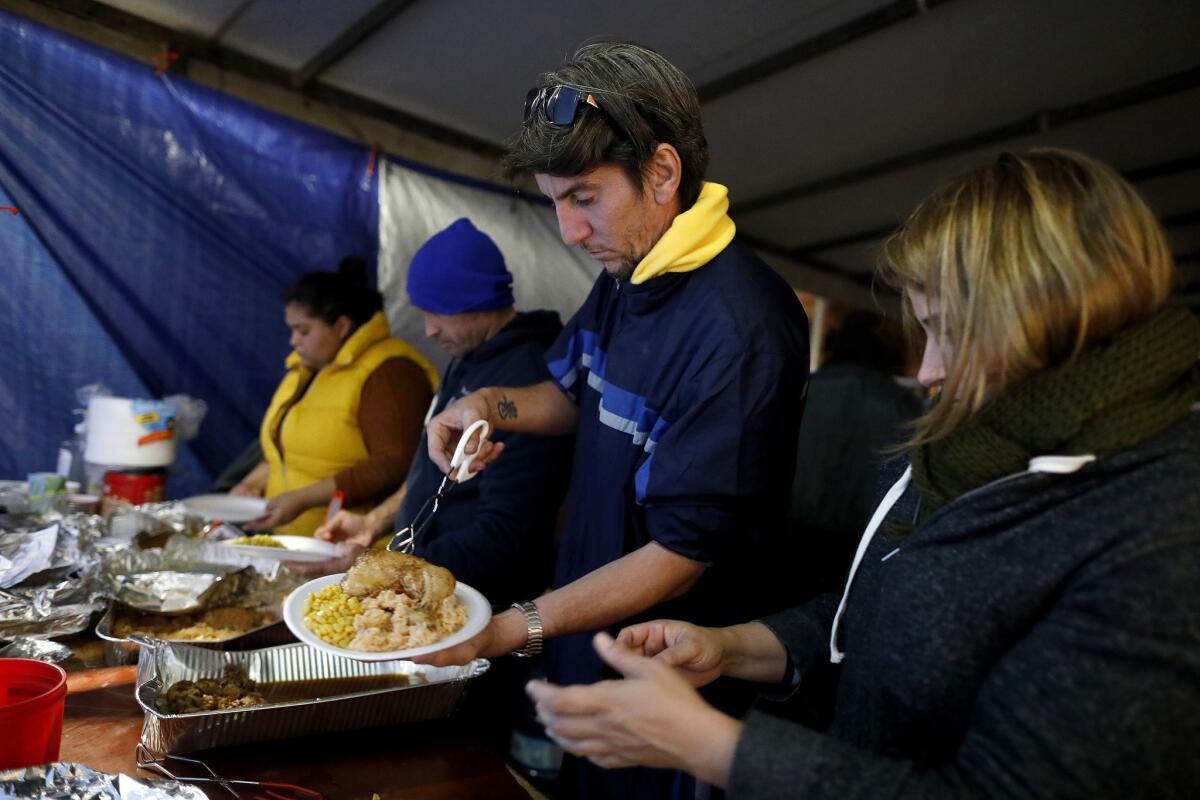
x=378 y=570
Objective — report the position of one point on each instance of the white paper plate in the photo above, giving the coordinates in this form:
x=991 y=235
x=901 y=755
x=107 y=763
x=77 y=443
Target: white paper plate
x=295 y=548
x=226 y=507
x=479 y=612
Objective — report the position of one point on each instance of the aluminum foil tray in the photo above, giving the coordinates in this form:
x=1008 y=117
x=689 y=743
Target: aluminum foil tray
x=162 y=664
x=118 y=651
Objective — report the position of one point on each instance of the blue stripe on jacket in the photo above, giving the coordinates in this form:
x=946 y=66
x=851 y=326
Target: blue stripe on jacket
x=619 y=409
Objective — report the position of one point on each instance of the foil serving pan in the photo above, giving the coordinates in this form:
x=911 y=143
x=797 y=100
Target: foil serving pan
x=161 y=664
x=119 y=651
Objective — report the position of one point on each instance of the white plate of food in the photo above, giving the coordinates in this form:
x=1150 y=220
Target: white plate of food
x=404 y=622
x=226 y=507
x=282 y=548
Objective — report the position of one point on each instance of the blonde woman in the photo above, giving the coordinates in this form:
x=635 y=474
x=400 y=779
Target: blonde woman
x=1022 y=618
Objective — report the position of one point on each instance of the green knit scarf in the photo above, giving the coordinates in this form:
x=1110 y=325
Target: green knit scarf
x=1135 y=385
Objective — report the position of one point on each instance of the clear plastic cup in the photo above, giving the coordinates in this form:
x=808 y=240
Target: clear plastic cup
x=32 y=697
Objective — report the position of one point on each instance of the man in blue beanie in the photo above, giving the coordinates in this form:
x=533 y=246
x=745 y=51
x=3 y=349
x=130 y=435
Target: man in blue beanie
x=458 y=271
x=495 y=532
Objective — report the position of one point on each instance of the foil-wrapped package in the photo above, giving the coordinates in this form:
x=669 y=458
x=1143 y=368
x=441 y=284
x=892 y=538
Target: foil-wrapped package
x=40 y=649
x=151 y=520
x=65 y=781
x=26 y=553
x=57 y=591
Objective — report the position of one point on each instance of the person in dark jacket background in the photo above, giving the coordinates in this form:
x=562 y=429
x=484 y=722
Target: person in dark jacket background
x=1025 y=622
x=495 y=533
x=855 y=411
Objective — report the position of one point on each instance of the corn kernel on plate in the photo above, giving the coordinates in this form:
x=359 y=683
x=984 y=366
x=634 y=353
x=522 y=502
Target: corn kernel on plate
x=337 y=613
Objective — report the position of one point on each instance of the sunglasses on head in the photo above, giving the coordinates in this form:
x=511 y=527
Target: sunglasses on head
x=558 y=104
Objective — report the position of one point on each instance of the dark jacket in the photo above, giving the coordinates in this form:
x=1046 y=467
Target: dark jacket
x=690 y=389
x=495 y=531
x=1037 y=637
x=853 y=412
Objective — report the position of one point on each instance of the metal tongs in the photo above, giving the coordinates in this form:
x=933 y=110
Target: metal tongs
x=404 y=539
x=269 y=790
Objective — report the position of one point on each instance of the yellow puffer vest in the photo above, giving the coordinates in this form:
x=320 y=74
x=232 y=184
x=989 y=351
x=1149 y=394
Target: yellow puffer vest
x=318 y=436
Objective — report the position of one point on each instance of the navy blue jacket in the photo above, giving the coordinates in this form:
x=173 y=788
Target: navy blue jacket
x=495 y=532
x=690 y=390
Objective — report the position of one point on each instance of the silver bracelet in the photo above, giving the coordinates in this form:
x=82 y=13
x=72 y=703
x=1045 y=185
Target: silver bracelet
x=533 y=621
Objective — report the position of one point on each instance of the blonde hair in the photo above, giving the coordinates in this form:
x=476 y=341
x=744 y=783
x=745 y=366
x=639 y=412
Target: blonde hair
x=1030 y=260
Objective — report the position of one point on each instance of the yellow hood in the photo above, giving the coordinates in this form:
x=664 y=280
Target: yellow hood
x=695 y=237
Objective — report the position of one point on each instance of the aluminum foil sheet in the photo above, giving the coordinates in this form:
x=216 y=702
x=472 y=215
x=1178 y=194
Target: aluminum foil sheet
x=155 y=519
x=162 y=664
x=153 y=580
x=61 y=596
x=64 y=781
x=24 y=647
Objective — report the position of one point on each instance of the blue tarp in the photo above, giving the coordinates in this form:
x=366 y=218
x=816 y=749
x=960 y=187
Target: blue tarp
x=159 y=224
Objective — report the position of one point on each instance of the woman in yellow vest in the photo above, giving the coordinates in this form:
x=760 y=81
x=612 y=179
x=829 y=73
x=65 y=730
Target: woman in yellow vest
x=347 y=415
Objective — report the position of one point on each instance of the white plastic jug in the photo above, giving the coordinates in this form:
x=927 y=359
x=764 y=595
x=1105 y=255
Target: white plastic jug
x=130 y=433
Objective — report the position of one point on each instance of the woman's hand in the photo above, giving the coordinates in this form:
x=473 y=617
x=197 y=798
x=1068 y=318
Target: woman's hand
x=696 y=653
x=750 y=652
x=255 y=482
x=347 y=554
x=651 y=718
x=281 y=509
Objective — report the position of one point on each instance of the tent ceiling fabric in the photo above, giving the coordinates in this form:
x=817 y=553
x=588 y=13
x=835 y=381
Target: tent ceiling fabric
x=945 y=70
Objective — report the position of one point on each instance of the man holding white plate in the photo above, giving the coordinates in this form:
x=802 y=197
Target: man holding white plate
x=682 y=376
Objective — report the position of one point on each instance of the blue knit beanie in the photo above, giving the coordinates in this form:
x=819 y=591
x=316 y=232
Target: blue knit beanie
x=458 y=270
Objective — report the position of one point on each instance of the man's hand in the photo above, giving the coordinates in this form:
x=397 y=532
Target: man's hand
x=245 y=490
x=505 y=632
x=443 y=431
x=347 y=554
x=651 y=718
x=696 y=653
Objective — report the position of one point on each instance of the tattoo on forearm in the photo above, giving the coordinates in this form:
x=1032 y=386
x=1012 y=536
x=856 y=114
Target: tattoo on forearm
x=506 y=408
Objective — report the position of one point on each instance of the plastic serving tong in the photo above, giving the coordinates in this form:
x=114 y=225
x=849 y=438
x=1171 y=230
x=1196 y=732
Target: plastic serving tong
x=404 y=539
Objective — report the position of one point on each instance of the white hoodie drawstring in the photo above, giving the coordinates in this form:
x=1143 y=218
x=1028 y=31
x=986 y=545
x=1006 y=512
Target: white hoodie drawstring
x=889 y=500
x=1057 y=465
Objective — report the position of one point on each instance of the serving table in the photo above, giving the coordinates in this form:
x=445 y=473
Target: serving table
x=435 y=760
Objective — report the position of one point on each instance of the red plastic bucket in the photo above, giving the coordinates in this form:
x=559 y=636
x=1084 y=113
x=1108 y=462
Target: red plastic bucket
x=32 y=696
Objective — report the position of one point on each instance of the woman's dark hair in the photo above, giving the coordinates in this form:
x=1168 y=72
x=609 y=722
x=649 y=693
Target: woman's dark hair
x=644 y=101
x=329 y=295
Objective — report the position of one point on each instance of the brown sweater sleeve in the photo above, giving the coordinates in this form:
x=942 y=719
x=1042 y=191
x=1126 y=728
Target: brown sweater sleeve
x=391 y=413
